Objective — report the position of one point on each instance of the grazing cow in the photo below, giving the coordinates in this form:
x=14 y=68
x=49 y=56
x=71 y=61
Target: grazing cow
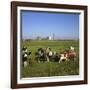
x=25 y=55
x=56 y=57
x=63 y=57
x=71 y=54
x=68 y=55
x=40 y=55
x=44 y=54
x=49 y=54
x=24 y=58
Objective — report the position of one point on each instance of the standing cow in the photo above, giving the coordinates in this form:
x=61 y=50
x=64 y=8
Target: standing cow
x=68 y=55
x=40 y=55
x=26 y=56
x=44 y=54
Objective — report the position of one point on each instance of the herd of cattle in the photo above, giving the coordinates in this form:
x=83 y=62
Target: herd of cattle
x=46 y=54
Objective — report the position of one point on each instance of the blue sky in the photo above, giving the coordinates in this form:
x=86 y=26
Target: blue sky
x=43 y=24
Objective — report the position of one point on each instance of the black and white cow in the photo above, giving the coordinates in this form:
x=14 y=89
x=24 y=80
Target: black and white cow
x=25 y=55
x=40 y=55
x=46 y=55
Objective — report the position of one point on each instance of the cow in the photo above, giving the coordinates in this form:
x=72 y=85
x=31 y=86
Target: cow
x=25 y=55
x=49 y=54
x=56 y=57
x=71 y=54
x=40 y=55
x=44 y=54
x=68 y=55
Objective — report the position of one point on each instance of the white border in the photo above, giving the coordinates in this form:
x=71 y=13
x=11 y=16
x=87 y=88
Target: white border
x=55 y=78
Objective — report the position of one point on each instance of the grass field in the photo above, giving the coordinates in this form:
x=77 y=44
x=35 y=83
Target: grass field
x=44 y=69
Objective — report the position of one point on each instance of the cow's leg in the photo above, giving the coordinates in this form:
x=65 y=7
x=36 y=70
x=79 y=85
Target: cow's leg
x=25 y=63
x=67 y=59
x=39 y=59
x=47 y=59
x=60 y=60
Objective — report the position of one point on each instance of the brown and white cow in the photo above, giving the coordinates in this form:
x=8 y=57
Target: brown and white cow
x=68 y=55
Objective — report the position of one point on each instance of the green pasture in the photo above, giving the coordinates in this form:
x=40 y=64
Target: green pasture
x=44 y=69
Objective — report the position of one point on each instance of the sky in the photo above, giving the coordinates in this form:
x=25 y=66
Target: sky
x=43 y=24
